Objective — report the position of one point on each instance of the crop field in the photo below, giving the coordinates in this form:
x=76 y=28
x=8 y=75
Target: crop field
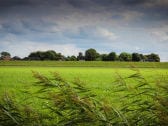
x=85 y=64
x=97 y=76
x=14 y=77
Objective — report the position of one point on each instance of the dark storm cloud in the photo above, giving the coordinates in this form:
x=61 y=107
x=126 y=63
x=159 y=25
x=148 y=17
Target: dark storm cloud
x=133 y=12
x=133 y=2
x=157 y=6
x=80 y=3
x=11 y=3
x=140 y=5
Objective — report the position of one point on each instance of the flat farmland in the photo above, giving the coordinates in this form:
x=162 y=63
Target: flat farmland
x=16 y=77
x=97 y=75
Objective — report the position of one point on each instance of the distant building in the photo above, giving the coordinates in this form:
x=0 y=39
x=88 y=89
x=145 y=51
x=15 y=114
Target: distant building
x=16 y=58
x=6 y=58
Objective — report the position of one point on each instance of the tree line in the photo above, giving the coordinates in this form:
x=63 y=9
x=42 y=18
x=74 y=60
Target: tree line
x=89 y=55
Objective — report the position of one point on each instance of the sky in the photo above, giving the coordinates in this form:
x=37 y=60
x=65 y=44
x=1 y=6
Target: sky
x=72 y=26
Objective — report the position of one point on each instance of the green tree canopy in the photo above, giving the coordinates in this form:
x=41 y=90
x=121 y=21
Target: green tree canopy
x=153 y=57
x=104 y=57
x=45 y=55
x=112 y=56
x=4 y=55
x=125 y=56
x=80 y=56
x=91 y=55
x=136 y=57
x=73 y=58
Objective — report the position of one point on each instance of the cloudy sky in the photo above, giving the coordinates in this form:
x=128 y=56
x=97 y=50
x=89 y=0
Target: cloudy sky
x=70 y=26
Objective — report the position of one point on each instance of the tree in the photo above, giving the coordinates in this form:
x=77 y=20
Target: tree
x=143 y=57
x=35 y=55
x=73 y=58
x=45 y=55
x=16 y=58
x=104 y=57
x=26 y=58
x=50 y=55
x=136 y=57
x=59 y=56
x=112 y=56
x=153 y=57
x=5 y=55
x=125 y=56
x=91 y=55
x=67 y=58
x=80 y=56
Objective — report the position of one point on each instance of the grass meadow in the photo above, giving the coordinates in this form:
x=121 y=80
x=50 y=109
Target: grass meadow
x=16 y=76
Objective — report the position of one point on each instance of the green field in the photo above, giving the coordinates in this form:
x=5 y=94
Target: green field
x=85 y=64
x=97 y=75
x=16 y=76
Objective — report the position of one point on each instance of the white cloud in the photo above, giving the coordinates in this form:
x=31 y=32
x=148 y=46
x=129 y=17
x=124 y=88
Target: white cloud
x=105 y=33
x=23 y=48
x=160 y=35
x=137 y=48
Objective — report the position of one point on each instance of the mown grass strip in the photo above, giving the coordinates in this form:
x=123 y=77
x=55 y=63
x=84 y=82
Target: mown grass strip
x=85 y=64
